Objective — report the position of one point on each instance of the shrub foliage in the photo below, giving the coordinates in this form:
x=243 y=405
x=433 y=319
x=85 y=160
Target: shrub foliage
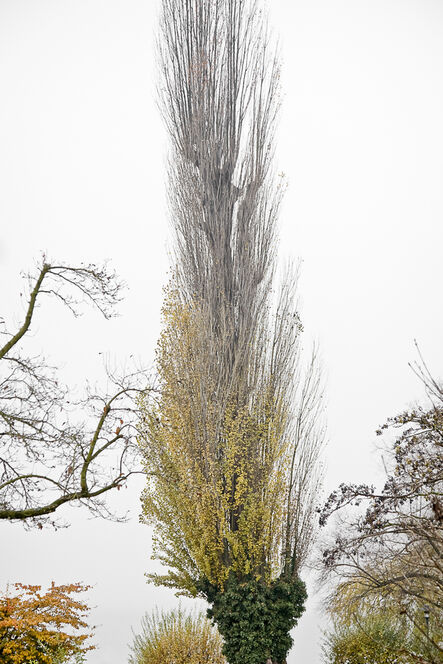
x=177 y=637
x=255 y=618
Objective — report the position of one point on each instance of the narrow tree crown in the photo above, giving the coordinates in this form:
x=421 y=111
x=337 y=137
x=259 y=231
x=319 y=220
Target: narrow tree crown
x=230 y=448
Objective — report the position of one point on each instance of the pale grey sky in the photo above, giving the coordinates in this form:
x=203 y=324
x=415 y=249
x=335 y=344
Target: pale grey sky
x=82 y=173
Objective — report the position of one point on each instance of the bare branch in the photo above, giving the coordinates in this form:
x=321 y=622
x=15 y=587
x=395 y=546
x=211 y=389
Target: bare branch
x=392 y=553
x=47 y=457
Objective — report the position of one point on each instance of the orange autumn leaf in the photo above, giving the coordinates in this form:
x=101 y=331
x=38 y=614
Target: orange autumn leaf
x=38 y=626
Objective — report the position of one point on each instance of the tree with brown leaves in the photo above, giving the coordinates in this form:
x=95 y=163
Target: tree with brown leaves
x=43 y=627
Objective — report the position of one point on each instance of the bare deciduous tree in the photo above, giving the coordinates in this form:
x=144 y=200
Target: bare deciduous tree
x=391 y=555
x=220 y=91
x=47 y=457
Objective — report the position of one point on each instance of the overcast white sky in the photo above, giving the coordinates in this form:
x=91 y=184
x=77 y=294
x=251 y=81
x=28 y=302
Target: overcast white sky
x=82 y=177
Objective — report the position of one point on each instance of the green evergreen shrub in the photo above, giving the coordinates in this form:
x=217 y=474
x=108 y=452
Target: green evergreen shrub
x=255 y=618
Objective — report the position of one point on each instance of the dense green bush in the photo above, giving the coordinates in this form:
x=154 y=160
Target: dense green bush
x=255 y=618
x=177 y=637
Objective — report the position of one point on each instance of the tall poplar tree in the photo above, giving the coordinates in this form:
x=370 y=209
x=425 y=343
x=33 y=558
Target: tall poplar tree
x=231 y=447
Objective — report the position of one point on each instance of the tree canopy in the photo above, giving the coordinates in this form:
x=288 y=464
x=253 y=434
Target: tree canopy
x=231 y=445
x=390 y=555
x=55 y=450
x=38 y=627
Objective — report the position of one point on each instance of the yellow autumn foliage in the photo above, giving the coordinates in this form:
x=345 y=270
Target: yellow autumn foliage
x=39 y=627
x=216 y=461
x=177 y=637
